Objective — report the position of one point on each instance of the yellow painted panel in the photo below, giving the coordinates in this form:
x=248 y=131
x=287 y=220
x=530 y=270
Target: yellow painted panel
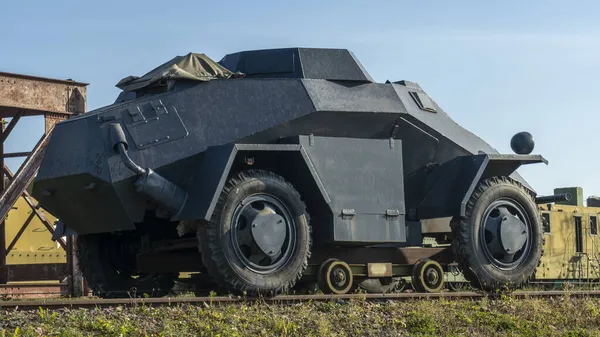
x=35 y=244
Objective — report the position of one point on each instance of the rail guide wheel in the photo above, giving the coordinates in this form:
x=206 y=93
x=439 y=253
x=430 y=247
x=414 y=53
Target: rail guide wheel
x=335 y=277
x=428 y=276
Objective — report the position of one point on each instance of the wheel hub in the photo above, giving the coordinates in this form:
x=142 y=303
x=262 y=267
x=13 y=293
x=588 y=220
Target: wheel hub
x=339 y=277
x=268 y=231
x=431 y=277
x=505 y=234
x=262 y=233
x=513 y=233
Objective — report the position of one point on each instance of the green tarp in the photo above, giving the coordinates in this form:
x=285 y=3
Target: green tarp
x=193 y=66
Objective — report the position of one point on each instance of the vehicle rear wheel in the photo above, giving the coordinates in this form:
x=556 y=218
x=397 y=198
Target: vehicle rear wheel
x=107 y=263
x=258 y=240
x=499 y=242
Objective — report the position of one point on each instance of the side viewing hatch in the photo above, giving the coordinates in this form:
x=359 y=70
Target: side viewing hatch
x=152 y=123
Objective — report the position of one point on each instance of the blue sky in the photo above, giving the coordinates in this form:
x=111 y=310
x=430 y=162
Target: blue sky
x=496 y=67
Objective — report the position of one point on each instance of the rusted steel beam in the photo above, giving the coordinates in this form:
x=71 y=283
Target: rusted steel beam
x=23 y=177
x=37 y=272
x=17 y=154
x=3 y=267
x=11 y=126
x=50 y=119
x=33 y=95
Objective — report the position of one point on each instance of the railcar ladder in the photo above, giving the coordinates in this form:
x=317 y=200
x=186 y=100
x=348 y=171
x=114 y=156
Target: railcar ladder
x=24 y=176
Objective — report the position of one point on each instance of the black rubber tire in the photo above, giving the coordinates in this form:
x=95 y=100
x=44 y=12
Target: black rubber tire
x=105 y=281
x=466 y=246
x=218 y=255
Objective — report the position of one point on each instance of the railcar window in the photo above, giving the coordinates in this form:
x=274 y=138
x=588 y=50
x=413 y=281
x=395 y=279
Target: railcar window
x=546 y=222
x=593 y=225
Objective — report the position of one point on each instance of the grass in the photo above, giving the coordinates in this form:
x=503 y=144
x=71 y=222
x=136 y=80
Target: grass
x=441 y=317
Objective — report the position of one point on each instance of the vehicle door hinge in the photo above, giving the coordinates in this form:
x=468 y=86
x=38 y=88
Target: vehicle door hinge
x=348 y=213
x=392 y=213
x=136 y=114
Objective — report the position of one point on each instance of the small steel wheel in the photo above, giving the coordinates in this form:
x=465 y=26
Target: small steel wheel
x=428 y=276
x=335 y=277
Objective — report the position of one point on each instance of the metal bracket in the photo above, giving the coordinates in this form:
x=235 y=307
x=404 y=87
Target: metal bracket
x=394 y=130
x=348 y=213
x=138 y=116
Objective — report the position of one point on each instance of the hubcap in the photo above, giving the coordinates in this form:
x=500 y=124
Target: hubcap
x=431 y=276
x=505 y=234
x=262 y=233
x=339 y=277
x=431 y=279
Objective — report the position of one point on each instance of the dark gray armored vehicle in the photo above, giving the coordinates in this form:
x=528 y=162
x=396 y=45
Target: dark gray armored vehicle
x=274 y=166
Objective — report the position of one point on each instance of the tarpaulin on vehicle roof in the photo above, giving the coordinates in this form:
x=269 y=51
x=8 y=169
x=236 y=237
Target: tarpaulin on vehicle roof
x=193 y=66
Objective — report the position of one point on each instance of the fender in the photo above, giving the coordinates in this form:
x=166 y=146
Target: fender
x=215 y=169
x=453 y=183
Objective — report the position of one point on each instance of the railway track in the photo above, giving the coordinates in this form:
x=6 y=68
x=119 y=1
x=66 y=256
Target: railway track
x=282 y=299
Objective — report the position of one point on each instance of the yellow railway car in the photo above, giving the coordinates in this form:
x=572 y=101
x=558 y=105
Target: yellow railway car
x=572 y=247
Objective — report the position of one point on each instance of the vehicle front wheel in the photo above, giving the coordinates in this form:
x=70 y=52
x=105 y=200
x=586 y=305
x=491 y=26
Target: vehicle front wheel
x=258 y=240
x=499 y=242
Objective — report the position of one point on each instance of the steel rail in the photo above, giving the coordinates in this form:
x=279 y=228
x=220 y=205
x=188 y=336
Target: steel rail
x=281 y=299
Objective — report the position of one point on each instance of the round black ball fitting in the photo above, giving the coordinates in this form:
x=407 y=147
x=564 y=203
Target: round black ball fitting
x=522 y=143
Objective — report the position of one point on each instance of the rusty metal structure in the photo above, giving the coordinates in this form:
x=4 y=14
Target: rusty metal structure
x=25 y=96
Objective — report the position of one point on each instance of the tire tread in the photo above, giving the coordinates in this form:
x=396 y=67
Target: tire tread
x=461 y=227
x=213 y=256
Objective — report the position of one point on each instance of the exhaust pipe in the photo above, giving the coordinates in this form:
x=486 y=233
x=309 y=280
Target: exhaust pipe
x=168 y=195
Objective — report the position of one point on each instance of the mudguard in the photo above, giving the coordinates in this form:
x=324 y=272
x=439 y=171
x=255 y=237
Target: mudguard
x=452 y=183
